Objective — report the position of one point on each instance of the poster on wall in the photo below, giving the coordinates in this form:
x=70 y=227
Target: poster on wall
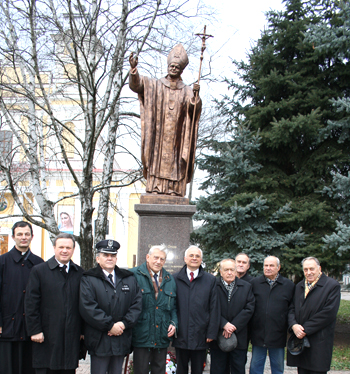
x=65 y=218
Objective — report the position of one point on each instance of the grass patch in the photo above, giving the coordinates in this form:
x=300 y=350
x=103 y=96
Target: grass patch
x=343 y=315
x=341 y=358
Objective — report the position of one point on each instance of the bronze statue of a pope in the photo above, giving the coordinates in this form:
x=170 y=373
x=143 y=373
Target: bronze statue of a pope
x=170 y=113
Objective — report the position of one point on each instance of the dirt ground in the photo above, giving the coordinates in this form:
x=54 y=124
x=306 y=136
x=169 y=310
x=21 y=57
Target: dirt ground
x=342 y=334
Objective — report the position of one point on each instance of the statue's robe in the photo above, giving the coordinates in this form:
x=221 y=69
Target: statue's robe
x=168 y=139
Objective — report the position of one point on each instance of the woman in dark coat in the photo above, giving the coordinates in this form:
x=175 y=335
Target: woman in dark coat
x=315 y=315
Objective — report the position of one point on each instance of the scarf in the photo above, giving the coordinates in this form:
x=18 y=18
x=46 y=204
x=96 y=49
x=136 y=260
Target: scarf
x=272 y=282
x=311 y=286
x=229 y=288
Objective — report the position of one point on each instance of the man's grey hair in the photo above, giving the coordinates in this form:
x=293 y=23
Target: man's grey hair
x=193 y=247
x=277 y=260
x=161 y=247
x=243 y=254
x=64 y=235
x=311 y=258
x=226 y=260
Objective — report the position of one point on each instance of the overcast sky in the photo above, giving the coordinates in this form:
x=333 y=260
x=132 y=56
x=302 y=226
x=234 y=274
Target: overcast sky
x=237 y=27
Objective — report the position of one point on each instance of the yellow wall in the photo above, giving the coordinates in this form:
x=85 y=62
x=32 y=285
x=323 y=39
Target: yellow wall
x=133 y=224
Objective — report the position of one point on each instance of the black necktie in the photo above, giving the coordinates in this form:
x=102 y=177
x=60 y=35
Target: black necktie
x=110 y=276
x=155 y=276
x=64 y=270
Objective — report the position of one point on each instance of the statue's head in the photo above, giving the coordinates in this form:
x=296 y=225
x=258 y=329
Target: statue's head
x=177 y=61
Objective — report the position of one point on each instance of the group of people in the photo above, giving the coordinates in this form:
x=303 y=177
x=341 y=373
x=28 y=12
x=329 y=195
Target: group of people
x=50 y=311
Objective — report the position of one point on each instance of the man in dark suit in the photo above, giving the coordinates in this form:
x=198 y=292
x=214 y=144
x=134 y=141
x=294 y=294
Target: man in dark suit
x=237 y=303
x=313 y=315
x=273 y=297
x=15 y=267
x=242 y=266
x=197 y=312
x=52 y=310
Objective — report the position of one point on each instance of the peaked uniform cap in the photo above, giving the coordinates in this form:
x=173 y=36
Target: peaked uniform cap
x=107 y=246
x=179 y=56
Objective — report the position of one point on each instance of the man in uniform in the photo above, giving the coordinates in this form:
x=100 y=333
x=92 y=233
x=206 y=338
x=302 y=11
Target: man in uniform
x=197 y=313
x=15 y=267
x=242 y=267
x=52 y=310
x=273 y=297
x=158 y=321
x=313 y=315
x=110 y=304
x=237 y=303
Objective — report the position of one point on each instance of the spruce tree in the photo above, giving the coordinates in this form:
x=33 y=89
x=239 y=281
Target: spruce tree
x=285 y=94
x=235 y=221
x=332 y=36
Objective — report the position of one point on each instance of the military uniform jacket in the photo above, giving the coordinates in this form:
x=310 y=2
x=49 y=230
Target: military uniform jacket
x=152 y=327
x=102 y=305
x=52 y=307
x=317 y=314
x=14 y=274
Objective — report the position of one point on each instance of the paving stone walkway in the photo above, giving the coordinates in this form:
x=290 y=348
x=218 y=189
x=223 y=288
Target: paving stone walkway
x=84 y=368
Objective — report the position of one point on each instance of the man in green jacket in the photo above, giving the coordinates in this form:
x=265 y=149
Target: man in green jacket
x=158 y=321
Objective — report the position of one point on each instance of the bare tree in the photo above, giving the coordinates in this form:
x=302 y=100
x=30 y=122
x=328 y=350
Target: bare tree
x=63 y=70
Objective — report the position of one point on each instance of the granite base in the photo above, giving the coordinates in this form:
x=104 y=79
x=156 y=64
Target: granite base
x=168 y=224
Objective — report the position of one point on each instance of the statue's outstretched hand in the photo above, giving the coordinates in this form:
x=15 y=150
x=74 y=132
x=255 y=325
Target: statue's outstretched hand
x=133 y=60
x=196 y=88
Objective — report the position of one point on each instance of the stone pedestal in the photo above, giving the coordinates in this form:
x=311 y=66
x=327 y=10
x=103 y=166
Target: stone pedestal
x=170 y=224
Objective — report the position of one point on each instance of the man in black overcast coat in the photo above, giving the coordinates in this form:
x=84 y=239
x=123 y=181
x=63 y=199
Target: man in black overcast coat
x=197 y=312
x=110 y=304
x=52 y=310
x=236 y=301
x=313 y=314
x=15 y=267
x=273 y=297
